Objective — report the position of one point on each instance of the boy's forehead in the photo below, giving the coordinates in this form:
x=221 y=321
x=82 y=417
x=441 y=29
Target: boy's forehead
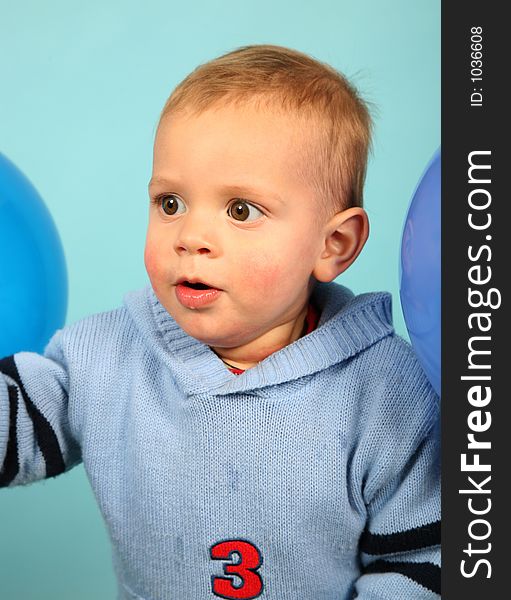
x=229 y=136
x=273 y=123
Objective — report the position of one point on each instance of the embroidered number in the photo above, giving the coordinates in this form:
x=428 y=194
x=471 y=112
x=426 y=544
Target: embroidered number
x=250 y=560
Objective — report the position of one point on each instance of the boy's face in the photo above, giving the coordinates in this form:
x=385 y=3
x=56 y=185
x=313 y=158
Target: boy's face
x=230 y=212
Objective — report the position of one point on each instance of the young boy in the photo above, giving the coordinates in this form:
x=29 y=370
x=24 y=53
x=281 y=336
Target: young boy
x=250 y=428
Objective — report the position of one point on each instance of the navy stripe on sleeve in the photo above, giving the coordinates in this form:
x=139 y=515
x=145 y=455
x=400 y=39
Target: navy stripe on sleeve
x=11 y=464
x=402 y=541
x=424 y=573
x=44 y=433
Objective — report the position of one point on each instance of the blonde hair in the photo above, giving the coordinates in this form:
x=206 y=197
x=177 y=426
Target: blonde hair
x=337 y=144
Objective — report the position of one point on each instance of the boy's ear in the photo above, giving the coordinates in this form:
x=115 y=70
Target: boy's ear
x=344 y=237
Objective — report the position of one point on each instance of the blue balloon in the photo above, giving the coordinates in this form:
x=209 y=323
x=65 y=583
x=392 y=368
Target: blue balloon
x=420 y=272
x=33 y=275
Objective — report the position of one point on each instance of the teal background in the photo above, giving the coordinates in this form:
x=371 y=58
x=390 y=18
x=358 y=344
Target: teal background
x=82 y=84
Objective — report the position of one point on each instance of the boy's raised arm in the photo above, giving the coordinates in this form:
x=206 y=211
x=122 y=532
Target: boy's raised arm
x=36 y=441
x=400 y=547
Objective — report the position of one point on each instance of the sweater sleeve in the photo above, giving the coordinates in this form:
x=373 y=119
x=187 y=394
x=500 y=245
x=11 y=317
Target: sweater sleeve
x=399 y=549
x=36 y=441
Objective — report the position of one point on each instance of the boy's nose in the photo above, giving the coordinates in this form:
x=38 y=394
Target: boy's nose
x=187 y=248
x=195 y=238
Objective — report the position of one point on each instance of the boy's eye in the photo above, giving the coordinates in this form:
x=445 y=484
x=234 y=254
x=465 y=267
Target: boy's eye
x=172 y=205
x=243 y=211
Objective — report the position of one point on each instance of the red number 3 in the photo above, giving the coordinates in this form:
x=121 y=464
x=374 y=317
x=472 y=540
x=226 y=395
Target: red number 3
x=250 y=560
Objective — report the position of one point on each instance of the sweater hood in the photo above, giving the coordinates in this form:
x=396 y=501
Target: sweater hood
x=348 y=325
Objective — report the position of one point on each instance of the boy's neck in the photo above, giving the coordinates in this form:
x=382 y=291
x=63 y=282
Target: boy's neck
x=248 y=355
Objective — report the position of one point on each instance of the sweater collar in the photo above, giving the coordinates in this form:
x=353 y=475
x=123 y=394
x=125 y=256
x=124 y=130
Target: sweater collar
x=348 y=324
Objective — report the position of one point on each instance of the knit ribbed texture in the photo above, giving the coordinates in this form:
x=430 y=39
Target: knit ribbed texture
x=317 y=469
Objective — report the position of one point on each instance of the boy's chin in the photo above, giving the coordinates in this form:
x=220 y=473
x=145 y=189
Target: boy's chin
x=212 y=334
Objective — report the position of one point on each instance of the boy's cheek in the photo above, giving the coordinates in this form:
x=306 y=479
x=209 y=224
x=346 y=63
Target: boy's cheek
x=263 y=274
x=151 y=261
x=268 y=280
x=276 y=277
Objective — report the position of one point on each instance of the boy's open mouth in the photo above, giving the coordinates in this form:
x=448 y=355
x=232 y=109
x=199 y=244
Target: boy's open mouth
x=196 y=286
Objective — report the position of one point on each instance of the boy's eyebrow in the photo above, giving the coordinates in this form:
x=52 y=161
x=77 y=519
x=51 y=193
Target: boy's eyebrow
x=235 y=188
x=155 y=180
x=250 y=191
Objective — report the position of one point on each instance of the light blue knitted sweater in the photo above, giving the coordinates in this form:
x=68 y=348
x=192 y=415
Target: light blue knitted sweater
x=312 y=476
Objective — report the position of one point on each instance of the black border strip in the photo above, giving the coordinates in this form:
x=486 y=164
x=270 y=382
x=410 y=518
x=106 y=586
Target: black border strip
x=475 y=239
